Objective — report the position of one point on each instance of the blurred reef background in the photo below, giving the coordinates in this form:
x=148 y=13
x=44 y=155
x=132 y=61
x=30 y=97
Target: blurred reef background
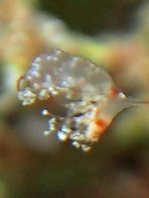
x=114 y=34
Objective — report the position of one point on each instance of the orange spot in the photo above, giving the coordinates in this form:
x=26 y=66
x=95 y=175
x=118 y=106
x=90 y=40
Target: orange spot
x=97 y=128
x=100 y=123
x=114 y=91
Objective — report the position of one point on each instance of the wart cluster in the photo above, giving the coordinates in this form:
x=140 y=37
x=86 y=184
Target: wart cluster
x=75 y=92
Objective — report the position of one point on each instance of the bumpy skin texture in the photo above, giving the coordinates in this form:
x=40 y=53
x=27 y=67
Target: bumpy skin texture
x=80 y=92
